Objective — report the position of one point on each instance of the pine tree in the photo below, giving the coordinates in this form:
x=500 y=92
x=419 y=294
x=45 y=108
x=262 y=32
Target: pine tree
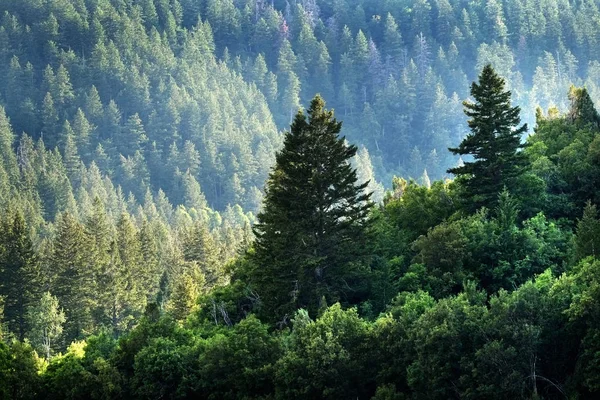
x=132 y=136
x=494 y=143
x=587 y=242
x=184 y=296
x=200 y=247
x=93 y=106
x=392 y=39
x=73 y=282
x=190 y=158
x=131 y=275
x=62 y=90
x=314 y=220
x=99 y=244
x=7 y=139
x=150 y=257
x=49 y=120
x=71 y=158
x=19 y=272
x=83 y=131
x=111 y=124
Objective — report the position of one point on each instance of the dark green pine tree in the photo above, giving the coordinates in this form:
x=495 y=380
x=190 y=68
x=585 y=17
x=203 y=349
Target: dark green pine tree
x=19 y=273
x=494 y=143
x=312 y=232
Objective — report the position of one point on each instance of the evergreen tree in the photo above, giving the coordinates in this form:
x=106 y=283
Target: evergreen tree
x=83 y=131
x=200 y=247
x=7 y=139
x=494 y=143
x=582 y=109
x=313 y=225
x=184 y=296
x=587 y=242
x=93 y=106
x=99 y=239
x=392 y=39
x=73 y=279
x=49 y=120
x=130 y=276
x=62 y=90
x=132 y=136
x=71 y=158
x=19 y=273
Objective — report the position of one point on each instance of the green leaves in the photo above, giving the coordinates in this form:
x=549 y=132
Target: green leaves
x=46 y=320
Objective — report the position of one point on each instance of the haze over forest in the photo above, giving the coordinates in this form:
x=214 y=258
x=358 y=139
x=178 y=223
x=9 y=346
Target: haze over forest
x=171 y=226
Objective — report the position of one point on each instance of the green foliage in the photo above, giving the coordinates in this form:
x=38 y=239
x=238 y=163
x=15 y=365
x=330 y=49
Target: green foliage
x=588 y=233
x=563 y=154
x=325 y=359
x=183 y=298
x=19 y=272
x=312 y=230
x=415 y=208
x=131 y=155
x=244 y=360
x=19 y=372
x=46 y=320
x=494 y=143
x=582 y=110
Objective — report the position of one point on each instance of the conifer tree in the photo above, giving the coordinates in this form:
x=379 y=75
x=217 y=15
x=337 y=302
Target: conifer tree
x=130 y=275
x=62 y=90
x=99 y=244
x=83 y=131
x=494 y=143
x=184 y=296
x=392 y=38
x=150 y=255
x=200 y=247
x=132 y=136
x=73 y=282
x=71 y=157
x=7 y=138
x=582 y=109
x=19 y=273
x=93 y=106
x=587 y=242
x=314 y=220
x=49 y=120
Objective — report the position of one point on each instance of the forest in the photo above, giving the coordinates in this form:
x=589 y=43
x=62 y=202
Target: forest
x=299 y=199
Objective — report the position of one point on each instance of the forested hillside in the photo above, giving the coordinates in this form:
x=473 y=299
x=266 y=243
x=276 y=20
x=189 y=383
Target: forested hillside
x=166 y=78
x=171 y=226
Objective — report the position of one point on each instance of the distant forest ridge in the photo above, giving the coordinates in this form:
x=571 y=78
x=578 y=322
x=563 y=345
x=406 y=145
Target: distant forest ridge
x=188 y=96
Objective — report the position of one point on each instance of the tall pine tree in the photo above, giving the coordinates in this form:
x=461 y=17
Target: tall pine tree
x=19 y=273
x=312 y=231
x=73 y=282
x=494 y=143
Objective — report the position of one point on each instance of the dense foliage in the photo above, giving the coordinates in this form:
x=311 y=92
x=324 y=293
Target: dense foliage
x=314 y=220
x=453 y=304
x=141 y=258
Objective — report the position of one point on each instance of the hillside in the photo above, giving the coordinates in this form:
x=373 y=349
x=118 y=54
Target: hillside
x=193 y=199
x=179 y=81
